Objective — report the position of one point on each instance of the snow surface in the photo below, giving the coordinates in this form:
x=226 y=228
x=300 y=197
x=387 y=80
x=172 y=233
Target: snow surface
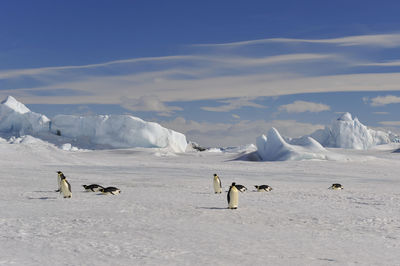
x=350 y=133
x=91 y=132
x=167 y=213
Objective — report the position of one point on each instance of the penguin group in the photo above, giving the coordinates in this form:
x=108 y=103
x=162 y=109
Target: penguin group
x=233 y=192
x=234 y=189
x=64 y=187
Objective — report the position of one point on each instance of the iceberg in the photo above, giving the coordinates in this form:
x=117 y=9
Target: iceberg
x=97 y=131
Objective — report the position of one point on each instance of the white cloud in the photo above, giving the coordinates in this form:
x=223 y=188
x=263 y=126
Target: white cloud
x=240 y=133
x=379 y=40
x=381 y=113
x=390 y=123
x=233 y=104
x=149 y=103
x=303 y=106
x=384 y=100
x=381 y=64
x=207 y=76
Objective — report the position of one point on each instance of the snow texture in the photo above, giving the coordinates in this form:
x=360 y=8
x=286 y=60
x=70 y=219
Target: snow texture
x=103 y=131
x=167 y=212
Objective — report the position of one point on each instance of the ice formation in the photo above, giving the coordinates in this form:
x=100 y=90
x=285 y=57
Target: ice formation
x=17 y=120
x=104 y=131
x=350 y=133
x=274 y=148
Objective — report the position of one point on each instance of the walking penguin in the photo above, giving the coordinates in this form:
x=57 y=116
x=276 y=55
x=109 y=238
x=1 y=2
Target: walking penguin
x=65 y=187
x=217 y=184
x=233 y=197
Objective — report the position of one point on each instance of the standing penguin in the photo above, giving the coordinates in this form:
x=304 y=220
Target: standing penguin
x=60 y=175
x=217 y=184
x=65 y=187
x=233 y=197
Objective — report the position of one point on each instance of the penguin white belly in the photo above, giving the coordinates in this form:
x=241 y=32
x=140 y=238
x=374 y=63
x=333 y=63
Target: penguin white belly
x=59 y=183
x=217 y=186
x=65 y=190
x=233 y=198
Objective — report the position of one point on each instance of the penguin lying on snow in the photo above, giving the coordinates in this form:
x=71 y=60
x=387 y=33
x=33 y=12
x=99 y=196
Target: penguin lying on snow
x=92 y=187
x=217 y=184
x=241 y=188
x=263 y=188
x=110 y=190
x=233 y=196
x=65 y=187
x=336 y=186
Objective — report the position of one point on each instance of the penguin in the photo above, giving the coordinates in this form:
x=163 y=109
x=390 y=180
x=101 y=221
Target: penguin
x=233 y=197
x=110 y=190
x=263 y=188
x=92 y=187
x=241 y=188
x=60 y=174
x=65 y=187
x=217 y=184
x=336 y=186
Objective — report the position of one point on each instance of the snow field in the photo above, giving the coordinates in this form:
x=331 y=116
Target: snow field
x=167 y=213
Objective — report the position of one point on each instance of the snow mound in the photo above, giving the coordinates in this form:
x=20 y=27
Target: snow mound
x=29 y=140
x=17 y=120
x=68 y=147
x=349 y=133
x=118 y=131
x=274 y=148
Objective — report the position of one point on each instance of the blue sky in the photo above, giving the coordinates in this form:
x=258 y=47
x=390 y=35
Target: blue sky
x=222 y=72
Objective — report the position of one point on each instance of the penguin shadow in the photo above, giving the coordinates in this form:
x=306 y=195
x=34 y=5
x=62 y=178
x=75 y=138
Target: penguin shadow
x=212 y=208
x=44 y=191
x=42 y=198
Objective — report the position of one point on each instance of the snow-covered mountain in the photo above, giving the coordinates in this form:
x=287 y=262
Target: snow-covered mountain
x=350 y=133
x=113 y=131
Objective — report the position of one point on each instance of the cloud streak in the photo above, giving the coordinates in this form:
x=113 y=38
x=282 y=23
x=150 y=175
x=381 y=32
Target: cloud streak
x=233 y=78
x=384 y=100
x=303 y=106
x=378 y=40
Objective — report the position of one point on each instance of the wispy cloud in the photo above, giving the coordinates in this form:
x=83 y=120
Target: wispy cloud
x=390 y=123
x=381 y=113
x=233 y=104
x=384 y=100
x=235 y=77
x=149 y=103
x=378 y=40
x=303 y=106
x=46 y=70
